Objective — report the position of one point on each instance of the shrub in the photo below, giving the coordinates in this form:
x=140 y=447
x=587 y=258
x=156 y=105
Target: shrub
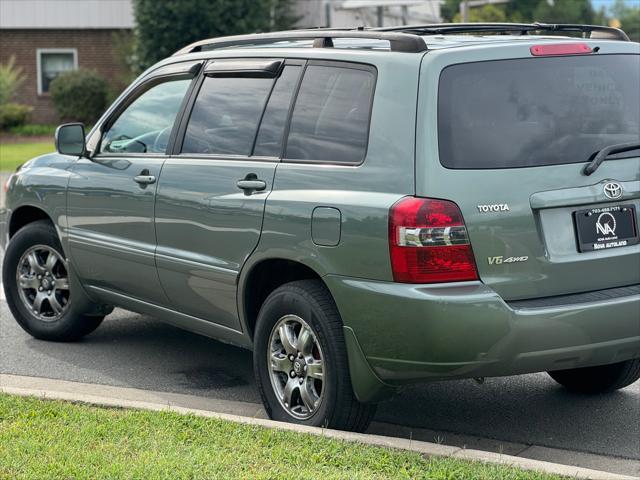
x=10 y=80
x=79 y=95
x=13 y=115
x=33 y=130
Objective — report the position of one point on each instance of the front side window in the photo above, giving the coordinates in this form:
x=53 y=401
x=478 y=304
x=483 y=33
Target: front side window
x=330 y=120
x=226 y=115
x=537 y=111
x=145 y=126
x=52 y=63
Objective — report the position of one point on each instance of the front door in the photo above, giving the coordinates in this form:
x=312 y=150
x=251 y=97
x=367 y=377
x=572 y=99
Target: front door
x=111 y=197
x=212 y=193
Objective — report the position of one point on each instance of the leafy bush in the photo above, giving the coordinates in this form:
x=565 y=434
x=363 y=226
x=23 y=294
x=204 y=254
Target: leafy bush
x=33 y=130
x=10 y=80
x=79 y=95
x=13 y=115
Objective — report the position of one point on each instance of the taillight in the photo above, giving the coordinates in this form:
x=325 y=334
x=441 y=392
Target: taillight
x=428 y=242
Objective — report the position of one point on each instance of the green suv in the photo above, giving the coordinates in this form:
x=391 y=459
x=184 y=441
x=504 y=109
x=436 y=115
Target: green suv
x=364 y=209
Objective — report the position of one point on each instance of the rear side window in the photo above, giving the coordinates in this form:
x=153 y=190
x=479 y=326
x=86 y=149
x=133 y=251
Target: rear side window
x=539 y=111
x=330 y=120
x=226 y=114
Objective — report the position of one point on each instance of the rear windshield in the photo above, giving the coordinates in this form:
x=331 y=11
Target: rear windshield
x=538 y=111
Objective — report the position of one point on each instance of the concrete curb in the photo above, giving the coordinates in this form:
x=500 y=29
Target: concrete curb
x=157 y=401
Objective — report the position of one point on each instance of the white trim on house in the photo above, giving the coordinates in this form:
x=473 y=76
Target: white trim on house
x=39 y=53
x=66 y=14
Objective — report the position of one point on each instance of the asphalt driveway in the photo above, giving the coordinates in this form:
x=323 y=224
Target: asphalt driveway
x=527 y=415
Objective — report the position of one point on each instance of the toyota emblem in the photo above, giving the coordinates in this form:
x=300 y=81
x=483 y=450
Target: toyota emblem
x=612 y=190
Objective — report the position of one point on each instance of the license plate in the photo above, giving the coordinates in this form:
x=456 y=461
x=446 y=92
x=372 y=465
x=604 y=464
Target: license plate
x=606 y=227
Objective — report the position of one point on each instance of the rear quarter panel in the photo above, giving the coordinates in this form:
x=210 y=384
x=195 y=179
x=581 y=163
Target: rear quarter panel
x=363 y=194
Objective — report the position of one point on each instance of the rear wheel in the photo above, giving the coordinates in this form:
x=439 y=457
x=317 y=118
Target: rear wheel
x=300 y=360
x=42 y=294
x=601 y=379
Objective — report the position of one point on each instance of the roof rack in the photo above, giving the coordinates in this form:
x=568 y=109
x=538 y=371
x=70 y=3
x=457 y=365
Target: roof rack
x=593 y=31
x=406 y=38
x=322 y=38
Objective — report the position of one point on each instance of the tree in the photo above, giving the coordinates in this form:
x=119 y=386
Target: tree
x=556 y=11
x=486 y=13
x=521 y=11
x=565 y=11
x=165 y=26
x=449 y=9
x=629 y=18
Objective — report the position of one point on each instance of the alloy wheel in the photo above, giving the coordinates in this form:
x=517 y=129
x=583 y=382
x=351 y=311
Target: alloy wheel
x=43 y=283
x=296 y=366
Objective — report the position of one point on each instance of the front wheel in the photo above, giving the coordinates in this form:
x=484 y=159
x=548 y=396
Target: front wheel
x=300 y=360
x=42 y=294
x=601 y=379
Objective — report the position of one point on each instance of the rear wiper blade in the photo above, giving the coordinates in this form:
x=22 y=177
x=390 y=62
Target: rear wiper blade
x=605 y=152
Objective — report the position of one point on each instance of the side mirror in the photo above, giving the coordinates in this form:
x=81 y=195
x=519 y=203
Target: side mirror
x=70 y=139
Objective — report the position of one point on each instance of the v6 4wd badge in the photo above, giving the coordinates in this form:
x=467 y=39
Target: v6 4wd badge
x=500 y=260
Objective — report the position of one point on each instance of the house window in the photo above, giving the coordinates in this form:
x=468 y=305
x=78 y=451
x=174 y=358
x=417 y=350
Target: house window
x=52 y=62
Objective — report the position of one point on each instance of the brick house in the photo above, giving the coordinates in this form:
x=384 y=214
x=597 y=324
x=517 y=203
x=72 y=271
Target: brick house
x=48 y=37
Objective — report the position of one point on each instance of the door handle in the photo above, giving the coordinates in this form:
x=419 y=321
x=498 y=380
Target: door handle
x=251 y=183
x=144 y=178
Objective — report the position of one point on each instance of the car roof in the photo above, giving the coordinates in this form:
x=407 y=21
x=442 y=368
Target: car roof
x=407 y=39
x=392 y=46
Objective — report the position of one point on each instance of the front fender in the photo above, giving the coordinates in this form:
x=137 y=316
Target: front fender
x=40 y=183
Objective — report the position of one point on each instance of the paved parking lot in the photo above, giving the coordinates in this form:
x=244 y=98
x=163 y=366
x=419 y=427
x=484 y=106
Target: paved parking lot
x=527 y=415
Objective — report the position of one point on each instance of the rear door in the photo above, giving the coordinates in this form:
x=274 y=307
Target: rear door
x=512 y=141
x=212 y=191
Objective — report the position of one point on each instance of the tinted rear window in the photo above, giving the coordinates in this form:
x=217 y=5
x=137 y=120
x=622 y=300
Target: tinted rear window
x=331 y=117
x=542 y=111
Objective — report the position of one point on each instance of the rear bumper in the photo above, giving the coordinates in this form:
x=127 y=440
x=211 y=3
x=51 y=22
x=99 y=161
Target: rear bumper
x=414 y=333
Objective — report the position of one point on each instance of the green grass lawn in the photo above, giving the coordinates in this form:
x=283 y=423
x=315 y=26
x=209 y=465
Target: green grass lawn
x=14 y=154
x=51 y=439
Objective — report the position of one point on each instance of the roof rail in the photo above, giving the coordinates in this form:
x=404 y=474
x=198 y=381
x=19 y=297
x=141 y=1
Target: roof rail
x=594 y=31
x=322 y=38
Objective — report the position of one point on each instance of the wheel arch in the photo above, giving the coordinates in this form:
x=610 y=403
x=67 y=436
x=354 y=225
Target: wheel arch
x=256 y=284
x=26 y=214
x=261 y=278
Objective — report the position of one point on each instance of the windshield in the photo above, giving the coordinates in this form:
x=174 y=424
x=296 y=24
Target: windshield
x=537 y=111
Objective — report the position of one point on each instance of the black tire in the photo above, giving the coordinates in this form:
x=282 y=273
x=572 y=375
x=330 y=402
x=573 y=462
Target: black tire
x=601 y=379
x=80 y=318
x=311 y=301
